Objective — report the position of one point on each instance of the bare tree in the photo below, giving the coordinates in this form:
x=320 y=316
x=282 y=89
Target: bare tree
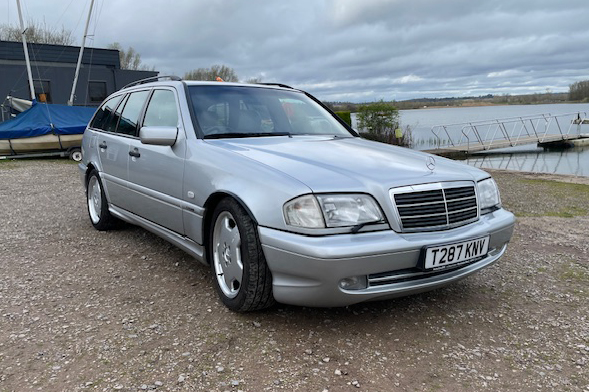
x=130 y=58
x=579 y=91
x=216 y=71
x=254 y=80
x=37 y=33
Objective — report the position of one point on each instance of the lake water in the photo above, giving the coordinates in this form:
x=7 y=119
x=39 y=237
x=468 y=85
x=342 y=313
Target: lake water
x=524 y=158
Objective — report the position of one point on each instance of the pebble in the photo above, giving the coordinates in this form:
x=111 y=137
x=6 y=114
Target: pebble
x=181 y=378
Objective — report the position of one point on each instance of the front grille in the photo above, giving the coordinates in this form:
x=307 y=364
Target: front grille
x=437 y=206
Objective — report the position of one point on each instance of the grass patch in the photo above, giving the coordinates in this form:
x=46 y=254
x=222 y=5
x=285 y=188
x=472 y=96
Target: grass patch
x=7 y=164
x=574 y=273
x=11 y=163
x=527 y=197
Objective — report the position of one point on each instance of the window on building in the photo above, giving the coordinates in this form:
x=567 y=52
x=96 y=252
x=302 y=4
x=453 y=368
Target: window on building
x=97 y=91
x=42 y=90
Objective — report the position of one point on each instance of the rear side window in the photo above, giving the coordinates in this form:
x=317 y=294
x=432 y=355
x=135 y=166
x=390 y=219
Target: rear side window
x=102 y=115
x=113 y=120
x=131 y=112
x=162 y=110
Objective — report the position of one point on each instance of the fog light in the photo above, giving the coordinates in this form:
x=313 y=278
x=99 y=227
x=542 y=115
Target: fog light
x=354 y=283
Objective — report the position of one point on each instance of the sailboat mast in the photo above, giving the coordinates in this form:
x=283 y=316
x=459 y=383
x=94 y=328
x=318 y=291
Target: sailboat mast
x=24 y=44
x=70 y=102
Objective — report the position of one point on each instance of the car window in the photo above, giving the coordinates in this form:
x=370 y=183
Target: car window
x=130 y=115
x=114 y=118
x=230 y=111
x=305 y=118
x=162 y=110
x=103 y=114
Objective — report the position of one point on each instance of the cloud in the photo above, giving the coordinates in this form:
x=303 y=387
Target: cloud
x=352 y=50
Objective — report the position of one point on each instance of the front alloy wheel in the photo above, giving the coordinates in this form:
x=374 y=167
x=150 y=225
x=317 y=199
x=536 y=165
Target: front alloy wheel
x=241 y=276
x=227 y=254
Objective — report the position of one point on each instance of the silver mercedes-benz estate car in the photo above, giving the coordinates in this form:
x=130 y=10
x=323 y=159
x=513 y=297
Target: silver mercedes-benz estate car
x=284 y=200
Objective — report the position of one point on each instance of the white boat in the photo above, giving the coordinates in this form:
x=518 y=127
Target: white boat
x=44 y=128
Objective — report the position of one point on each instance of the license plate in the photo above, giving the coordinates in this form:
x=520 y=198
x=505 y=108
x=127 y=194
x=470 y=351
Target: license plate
x=443 y=256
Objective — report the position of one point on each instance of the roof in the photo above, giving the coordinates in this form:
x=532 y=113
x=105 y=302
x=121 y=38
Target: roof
x=10 y=50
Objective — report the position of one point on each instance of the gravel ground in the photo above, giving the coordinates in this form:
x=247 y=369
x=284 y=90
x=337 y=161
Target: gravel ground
x=124 y=310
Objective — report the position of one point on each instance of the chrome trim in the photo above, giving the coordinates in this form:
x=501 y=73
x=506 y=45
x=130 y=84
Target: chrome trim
x=437 y=186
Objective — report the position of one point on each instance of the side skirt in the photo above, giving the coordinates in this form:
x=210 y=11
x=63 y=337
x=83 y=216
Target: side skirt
x=184 y=243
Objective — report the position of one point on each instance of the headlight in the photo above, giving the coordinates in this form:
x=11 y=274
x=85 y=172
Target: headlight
x=488 y=193
x=304 y=211
x=322 y=211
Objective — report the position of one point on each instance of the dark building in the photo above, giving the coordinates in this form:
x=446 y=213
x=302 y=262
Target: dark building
x=53 y=68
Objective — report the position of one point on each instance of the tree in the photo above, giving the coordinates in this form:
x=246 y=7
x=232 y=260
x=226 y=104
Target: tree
x=579 y=91
x=216 y=71
x=380 y=121
x=253 y=80
x=37 y=33
x=130 y=58
x=378 y=118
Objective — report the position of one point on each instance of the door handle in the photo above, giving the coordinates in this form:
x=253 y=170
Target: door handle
x=135 y=153
x=102 y=145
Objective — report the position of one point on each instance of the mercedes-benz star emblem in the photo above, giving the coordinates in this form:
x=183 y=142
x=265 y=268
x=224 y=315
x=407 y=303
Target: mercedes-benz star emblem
x=430 y=162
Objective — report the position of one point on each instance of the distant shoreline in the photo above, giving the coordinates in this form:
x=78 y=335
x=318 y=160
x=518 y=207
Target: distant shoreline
x=481 y=104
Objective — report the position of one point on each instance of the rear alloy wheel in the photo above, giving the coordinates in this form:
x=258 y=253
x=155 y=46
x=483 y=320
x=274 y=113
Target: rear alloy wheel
x=97 y=204
x=241 y=275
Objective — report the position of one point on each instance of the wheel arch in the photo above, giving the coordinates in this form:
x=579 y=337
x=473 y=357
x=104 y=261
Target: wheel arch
x=89 y=168
x=212 y=202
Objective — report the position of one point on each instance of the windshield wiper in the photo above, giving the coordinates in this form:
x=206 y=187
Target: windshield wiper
x=359 y=226
x=244 y=134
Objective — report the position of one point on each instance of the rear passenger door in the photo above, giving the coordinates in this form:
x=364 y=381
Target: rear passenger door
x=156 y=172
x=112 y=151
x=115 y=146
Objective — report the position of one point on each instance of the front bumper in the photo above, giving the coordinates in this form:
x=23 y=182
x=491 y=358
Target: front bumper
x=307 y=270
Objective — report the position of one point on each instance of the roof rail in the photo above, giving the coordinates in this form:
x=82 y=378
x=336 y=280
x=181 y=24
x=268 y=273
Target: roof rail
x=277 y=84
x=154 y=79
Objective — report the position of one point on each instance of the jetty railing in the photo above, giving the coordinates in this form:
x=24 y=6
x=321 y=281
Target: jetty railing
x=509 y=131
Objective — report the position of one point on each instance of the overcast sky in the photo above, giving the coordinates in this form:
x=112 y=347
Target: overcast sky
x=347 y=50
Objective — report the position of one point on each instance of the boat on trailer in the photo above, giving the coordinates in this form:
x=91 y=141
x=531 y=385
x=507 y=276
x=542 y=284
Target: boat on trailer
x=46 y=129
x=50 y=130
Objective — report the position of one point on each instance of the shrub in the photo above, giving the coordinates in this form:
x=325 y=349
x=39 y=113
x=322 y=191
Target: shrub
x=397 y=137
x=346 y=116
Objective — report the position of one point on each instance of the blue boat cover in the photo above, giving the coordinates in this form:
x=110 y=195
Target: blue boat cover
x=42 y=119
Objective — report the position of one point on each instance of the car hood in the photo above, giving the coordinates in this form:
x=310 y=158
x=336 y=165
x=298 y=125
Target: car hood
x=328 y=164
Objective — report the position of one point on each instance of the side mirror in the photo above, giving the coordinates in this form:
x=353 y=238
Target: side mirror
x=160 y=136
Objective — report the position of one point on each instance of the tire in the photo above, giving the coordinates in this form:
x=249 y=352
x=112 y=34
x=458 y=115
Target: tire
x=97 y=204
x=240 y=273
x=76 y=154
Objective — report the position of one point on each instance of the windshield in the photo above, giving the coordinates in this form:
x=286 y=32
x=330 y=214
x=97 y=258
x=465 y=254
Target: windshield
x=235 y=111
